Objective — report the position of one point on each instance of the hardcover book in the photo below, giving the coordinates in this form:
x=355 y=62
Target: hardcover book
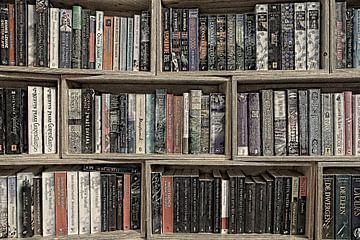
x=254 y=124
x=239 y=41
x=280 y=131
x=293 y=124
x=314 y=122
x=221 y=42
x=261 y=36
x=313 y=35
x=65 y=41
x=287 y=36
x=231 y=42
x=42 y=32
x=145 y=36
x=340 y=34
x=300 y=36
x=217 y=123
x=212 y=40
x=193 y=40
x=274 y=57
x=267 y=120
x=195 y=122
x=35 y=121
x=250 y=41
x=327 y=121
x=76 y=37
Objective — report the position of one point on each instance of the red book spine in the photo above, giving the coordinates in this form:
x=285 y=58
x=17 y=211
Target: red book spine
x=348 y=122
x=108 y=42
x=170 y=123
x=60 y=204
x=302 y=186
x=167 y=204
x=126 y=201
x=11 y=35
x=178 y=123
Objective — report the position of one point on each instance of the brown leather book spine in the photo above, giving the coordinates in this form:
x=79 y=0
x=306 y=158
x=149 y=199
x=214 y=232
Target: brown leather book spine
x=108 y=42
x=170 y=123
x=60 y=204
x=178 y=123
x=167 y=204
x=126 y=201
x=11 y=34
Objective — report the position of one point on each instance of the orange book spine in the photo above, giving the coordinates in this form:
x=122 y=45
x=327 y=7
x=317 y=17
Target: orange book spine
x=60 y=204
x=167 y=204
x=126 y=201
x=108 y=42
x=178 y=123
x=11 y=34
x=169 y=123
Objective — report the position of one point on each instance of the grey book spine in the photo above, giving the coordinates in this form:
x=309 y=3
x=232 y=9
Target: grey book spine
x=254 y=124
x=287 y=36
x=74 y=120
x=239 y=39
x=205 y=123
x=217 y=123
x=195 y=122
x=145 y=36
x=114 y=123
x=76 y=36
x=274 y=37
x=130 y=44
x=42 y=31
x=156 y=202
x=131 y=135
x=203 y=43
x=65 y=42
x=250 y=42
x=267 y=120
x=149 y=123
x=221 y=42
x=342 y=207
x=240 y=205
x=242 y=124
x=123 y=124
x=303 y=122
x=212 y=42
x=327 y=122
x=230 y=42
x=21 y=32
x=293 y=124
x=280 y=123
x=340 y=34
x=88 y=121
x=349 y=37
x=313 y=35
x=314 y=122
x=193 y=39
x=160 y=121
x=300 y=36
x=262 y=44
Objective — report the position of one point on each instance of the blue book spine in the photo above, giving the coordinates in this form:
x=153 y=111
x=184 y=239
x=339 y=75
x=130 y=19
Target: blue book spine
x=193 y=40
x=356 y=55
x=150 y=123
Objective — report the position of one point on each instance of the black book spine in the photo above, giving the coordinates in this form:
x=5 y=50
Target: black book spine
x=112 y=202
x=328 y=208
x=104 y=202
x=156 y=202
x=26 y=197
x=194 y=225
x=278 y=204
x=184 y=40
x=117 y=170
x=355 y=207
x=287 y=31
x=209 y=206
x=24 y=146
x=240 y=205
x=202 y=206
x=114 y=123
x=274 y=37
x=88 y=121
x=203 y=42
x=212 y=42
x=85 y=38
x=254 y=124
x=293 y=125
x=342 y=207
x=186 y=221
x=119 y=200
x=250 y=42
x=37 y=203
x=14 y=122
x=21 y=32
x=250 y=207
x=349 y=37
x=135 y=201
x=232 y=204
x=145 y=36
x=177 y=204
x=260 y=208
x=166 y=41
x=42 y=32
x=269 y=206
x=2 y=121
x=286 y=218
x=221 y=42
x=217 y=205
x=4 y=33
x=123 y=142
x=175 y=39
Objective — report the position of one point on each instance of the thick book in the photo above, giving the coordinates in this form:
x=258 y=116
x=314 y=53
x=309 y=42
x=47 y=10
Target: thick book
x=242 y=124
x=249 y=198
x=274 y=57
x=169 y=123
x=31 y=48
x=230 y=42
x=88 y=120
x=205 y=124
x=65 y=38
x=262 y=44
x=184 y=42
x=4 y=34
x=303 y=122
x=327 y=123
x=203 y=43
x=314 y=121
x=167 y=202
x=95 y=202
x=140 y=119
x=293 y=124
x=267 y=121
x=250 y=41
x=35 y=120
x=221 y=42
x=348 y=123
x=48 y=204
x=85 y=38
x=254 y=134
x=21 y=32
x=72 y=182
x=178 y=123
x=99 y=40
x=61 y=223
x=42 y=32
x=339 y=124
x=340 y=34
x=76 y=37
x=150 y=123
x=300 y=36
x=212 y=40
x=278 y=201
x=239 y=42
x=195 y=121
x=156 y=200
x=160 y=121
x=136 y=43
x=14 y=118
x=130 y=42
x=349 y=37
x=54 y=37
x=84 y=202
x=280 y=131
x=105 y=122
x=108 y=43
x=313 y=18
x=193 y=40
x=166 y=46
x=287 y=37
x=145 y=36
x=328 y=218
x=131 y=137
x=74 y=120
x=217 y=123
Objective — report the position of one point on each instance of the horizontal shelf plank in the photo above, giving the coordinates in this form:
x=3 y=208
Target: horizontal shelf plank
x=103 y=235
x=70 y=161
x=224 y=236
x=226 y=163
x=349 y=158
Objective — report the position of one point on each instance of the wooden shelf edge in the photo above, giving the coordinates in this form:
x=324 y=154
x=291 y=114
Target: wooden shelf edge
x=339 y=159
x=144 y=157
x=226 y=163
x=103 y=235
x=224 y=236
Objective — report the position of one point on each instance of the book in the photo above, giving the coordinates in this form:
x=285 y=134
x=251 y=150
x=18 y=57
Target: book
x=327 y=121
x=254 y=124
x=221 y=41
x=267 y=120
x=249 y=205
x=61 y=223
x=145 y=26
x=99 y=44
x=105 y=122
x=224 y=206
x=12 y=207
x=65 y=40
x=328 y=207
x=349 y=37
x=42 y=32
x=250 y=41
x=230 y=42
x=85 y=38
x=140 y=119
x=4 y=35
x=242 y=124
x=262 y=48
x=72 y=182
x=300 y=35
x=136 y=43
x=195 y=122
x=156 y=200
x=48 y=203
x=76 y=37
x=280 y=131
x=108 y=42
x=178 y=123
x=293 y=124
x=54 y=37
x=21 y=32
x=160 y=121
x=185 y=141
x=113 y=123
x=239 y=42
x=95 y=202
x=130 y=42
x=217 y=123
x=356 y=124
x=314 y=122
x=184 y=35
x=14 y=119
x=92 y=29
x=287 y=36
x=88 y=121
x=203 y=43
x=313 y=34
x=12 y=32
x=166 y=51
x=2 y=120
x=35 y=120
x=193 y=40
x=303 y=122
x=169 y=123
x=205 y=124
x=131 y=134
x=348 y=123
x=339 y=124
x=340 y=34
x=84 y=202
x=123 y=123
x=260 y=204
x=30 y=39
x=167 y=202
x=3 y=206
x=97 y=124
x=212 y=42
x=149 y=123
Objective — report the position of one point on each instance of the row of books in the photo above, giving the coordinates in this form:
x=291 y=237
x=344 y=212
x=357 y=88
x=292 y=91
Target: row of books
x=298 y=122
x=347 y=33
x=192 y=201
x=276 y=37
x=159 y=122
x=28 y=120
x=340 y=219
x=38 y=201
x=37 y=35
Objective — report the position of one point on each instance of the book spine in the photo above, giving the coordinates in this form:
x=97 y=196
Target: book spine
x=135 y=218
x=84 y=203
x=339 y=124
x=72 y=181
x=328 y=208
x=224 y=206
x=21 y=32
x=167 y=65
x=48 y=204
x=254 y=124
x=303 y=122
x=108 y=43
x=85 y=38
x=123 y=43
x=4 y=29
x=287 y=36
x=314 y=122
x=356 y=124
x=185 y=40
x=178 y=123
x=267 y=120
x=242 y=124
x=195 y=121
x=342 y=207
x=136 y=43
x=65 y=41
x=2 y=120
x=185 y=140
x=31 y=41
x=217 y=205
x=95 y=201
x=186 y=217
x=340 y=31
x=160 y=121
x=286 y=218
x=131 y=123
x=178 y=204
x=217 y=123
x=274 y=37
x=232 y=204
x=156 y=202
x=212 y=40
x=114 y=123
x=327 y=122
x=262 y=47
x=120 y=196
x=140 y=123
x=221 y=42
x=175 y=38
x=127 y=202
x=167 y=204
x=205 y=124
x=104 y=189
x=54 y=37
x=239 y=42
x=99 y=40
x=145 y=26
x=348 y=123
x=105 y=123
x=209 y=207
x=12 y=43
x=231 y=42
x=280 y=123
x=112 y=202
x=203 y=43
x=123 y=136
x=116 y=44
x=130 y=46
x=24 y=204
x=88 y=121
x=3 y=207
x=300 y=36
x=302 y=204
x=42 y=32
x=349 y=37
x=249 y=207
x=240 y=205
x=14 y=122
x=169 y=123
x=194 y=205
x=193 y=40
x=260 y=208
x=76 y=37
x=12 y=207
x=61 y=223
x=149 y=123
x=92 y=36
x=202 y=207
x=355 y=219
x=293 y=124
x=250 y=41
x=269 y=206
x=35 y=101
x=97 y=120
x=313 y=35
x=24 y=133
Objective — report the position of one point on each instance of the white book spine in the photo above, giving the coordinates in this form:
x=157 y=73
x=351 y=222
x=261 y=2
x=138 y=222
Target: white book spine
x=22 y=179
x=50 y=136
x=313 y=35
x=99 y=40
x=35 y=110
x=48 y=204
x=186 y=123
x=31 y=35
x=116 y=50
x=123 y=43
x=95 y=201
x=72 y=202
x=356 y=124
x=300 y=36
x=140 y=123
x=136 y=53
x=12 y=209
x=262 y=47
x=224 y=205
x=339 y=124
x=84 y=203
x=54 y=37
x=130 y=42
x=98 y=132
x=3 y=207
